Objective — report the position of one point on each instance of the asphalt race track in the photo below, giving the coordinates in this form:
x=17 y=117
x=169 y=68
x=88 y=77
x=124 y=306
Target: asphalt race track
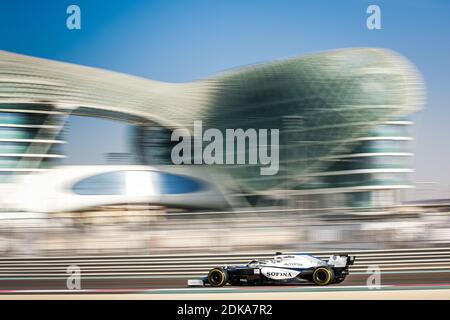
x=127 y=283
x=405 y=273
x=418 y=284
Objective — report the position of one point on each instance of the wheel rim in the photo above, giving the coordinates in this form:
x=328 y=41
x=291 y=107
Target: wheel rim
x=322 y=276
x=216 y=277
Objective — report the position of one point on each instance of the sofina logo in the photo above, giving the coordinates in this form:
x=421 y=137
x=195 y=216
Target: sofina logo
x=237 y=150
x=278 y=274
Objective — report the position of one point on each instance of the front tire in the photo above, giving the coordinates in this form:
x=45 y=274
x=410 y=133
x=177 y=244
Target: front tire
x=217 y=277
x=323 y=276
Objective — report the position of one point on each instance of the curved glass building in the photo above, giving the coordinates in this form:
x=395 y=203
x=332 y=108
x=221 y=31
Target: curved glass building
x=342 y=117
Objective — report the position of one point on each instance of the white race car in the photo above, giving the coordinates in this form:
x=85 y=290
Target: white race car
x=282 y=269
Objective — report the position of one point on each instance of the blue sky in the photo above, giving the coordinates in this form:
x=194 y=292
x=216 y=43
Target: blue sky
x=189 y=39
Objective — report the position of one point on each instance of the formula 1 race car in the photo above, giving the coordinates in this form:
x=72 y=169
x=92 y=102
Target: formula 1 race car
x=282 y=269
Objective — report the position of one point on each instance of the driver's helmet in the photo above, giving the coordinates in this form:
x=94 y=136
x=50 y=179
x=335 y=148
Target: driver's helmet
x=253 y=263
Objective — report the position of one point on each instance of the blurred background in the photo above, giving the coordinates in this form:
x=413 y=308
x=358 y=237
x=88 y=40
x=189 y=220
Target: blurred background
x=85 y=153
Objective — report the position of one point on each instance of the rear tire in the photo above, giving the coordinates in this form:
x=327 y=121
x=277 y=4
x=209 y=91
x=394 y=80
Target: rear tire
x=217 y=277
x=323 y=276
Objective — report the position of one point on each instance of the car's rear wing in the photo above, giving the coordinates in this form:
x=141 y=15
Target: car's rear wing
x=350 y=260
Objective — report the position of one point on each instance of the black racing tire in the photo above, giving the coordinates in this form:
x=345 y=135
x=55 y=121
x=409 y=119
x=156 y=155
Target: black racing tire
x=323 y=276
x=217 y=277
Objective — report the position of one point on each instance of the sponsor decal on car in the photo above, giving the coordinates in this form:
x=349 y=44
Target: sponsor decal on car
x=279 y=273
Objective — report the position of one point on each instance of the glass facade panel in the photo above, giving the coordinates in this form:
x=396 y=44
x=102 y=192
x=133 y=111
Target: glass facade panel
x=111 y=183
x=132 y=183
x=32 y=122
x=174 y=184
